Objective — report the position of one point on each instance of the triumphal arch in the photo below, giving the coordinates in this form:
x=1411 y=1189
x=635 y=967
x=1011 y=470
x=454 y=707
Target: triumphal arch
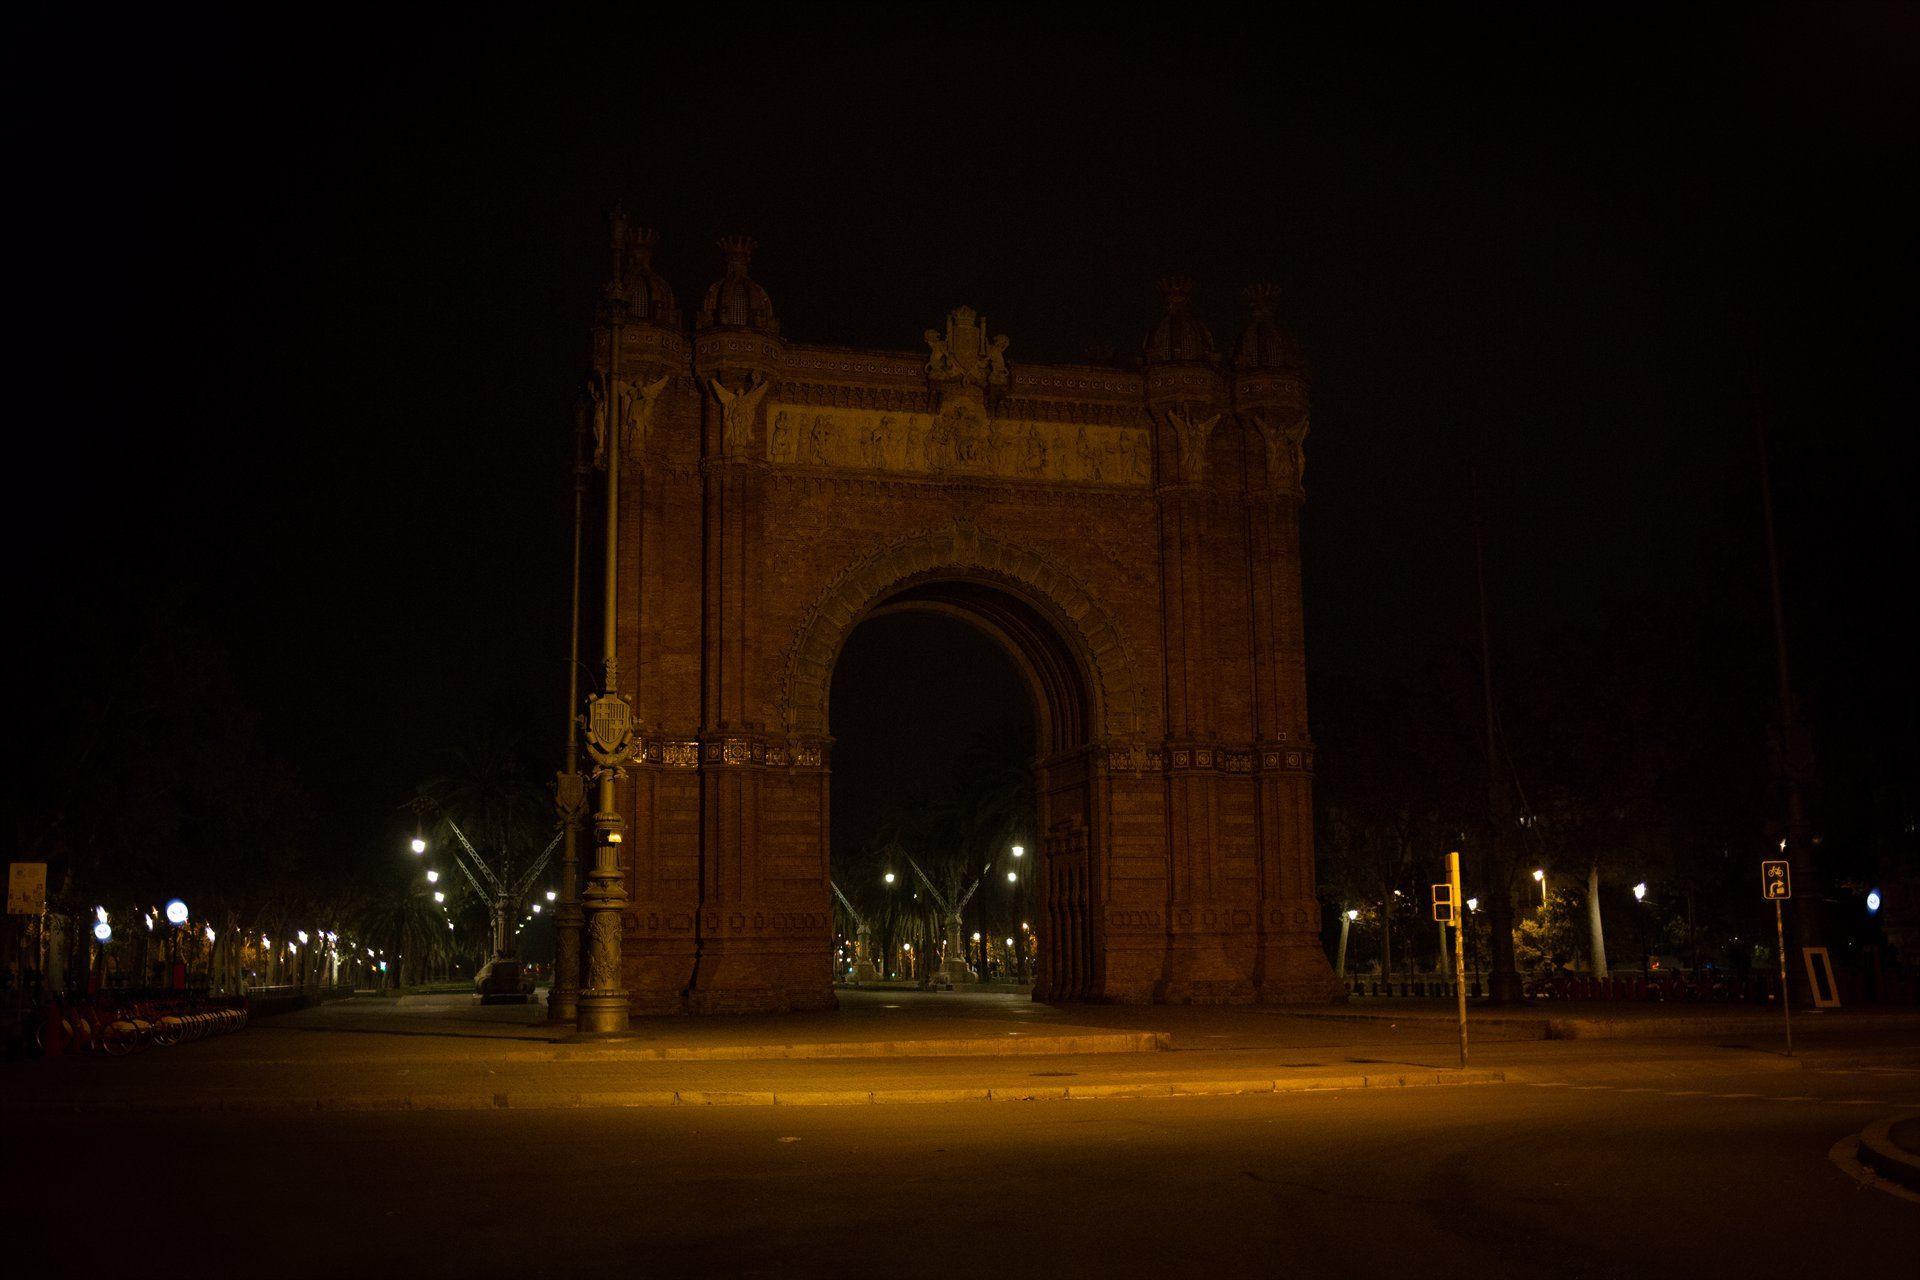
x=1129 y=534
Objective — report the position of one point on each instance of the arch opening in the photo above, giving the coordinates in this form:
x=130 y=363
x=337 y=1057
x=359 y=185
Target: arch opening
x=961 y=721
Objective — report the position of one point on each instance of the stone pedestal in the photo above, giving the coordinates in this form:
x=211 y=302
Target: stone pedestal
x=603 y=1015
x=956 y=973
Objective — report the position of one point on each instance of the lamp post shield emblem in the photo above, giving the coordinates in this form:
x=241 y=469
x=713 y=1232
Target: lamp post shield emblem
x=609 y=728
x=570 y=795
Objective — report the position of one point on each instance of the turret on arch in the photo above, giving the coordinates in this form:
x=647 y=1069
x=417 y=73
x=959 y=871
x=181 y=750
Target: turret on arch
x=1127 y=535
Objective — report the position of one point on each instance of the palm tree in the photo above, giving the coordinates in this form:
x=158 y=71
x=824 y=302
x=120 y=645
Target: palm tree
x=400 y=916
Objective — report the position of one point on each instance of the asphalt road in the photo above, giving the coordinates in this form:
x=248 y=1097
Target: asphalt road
x=1729 y=1175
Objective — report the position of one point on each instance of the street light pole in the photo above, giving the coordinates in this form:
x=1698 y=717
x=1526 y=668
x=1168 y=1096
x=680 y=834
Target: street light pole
x=603 y=1004
x=1793 y=764
x=563 y=1001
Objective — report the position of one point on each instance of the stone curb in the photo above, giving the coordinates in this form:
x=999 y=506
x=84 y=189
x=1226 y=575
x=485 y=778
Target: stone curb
x=1663 y=1029
x=782 y=1097
x=1552 y=1027
x=1879 y=1152
x=1559 y=1026
x=1022 y=1046
x=1423 y=1019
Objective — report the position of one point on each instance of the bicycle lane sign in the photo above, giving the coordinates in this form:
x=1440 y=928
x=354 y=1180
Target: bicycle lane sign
x=1775 y=881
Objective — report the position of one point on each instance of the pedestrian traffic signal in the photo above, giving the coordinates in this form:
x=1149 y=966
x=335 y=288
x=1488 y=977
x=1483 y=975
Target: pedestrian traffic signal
x=1443 y=903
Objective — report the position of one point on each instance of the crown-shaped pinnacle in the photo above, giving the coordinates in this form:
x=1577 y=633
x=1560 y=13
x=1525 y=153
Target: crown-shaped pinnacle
x=736 y=252
x=640 y=243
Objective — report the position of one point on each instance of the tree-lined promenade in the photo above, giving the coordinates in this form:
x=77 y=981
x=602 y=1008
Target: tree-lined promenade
x=165 y=785
x=1641 y=804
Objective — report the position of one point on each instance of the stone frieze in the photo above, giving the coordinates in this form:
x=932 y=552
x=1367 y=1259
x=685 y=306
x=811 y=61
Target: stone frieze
x=959 y=441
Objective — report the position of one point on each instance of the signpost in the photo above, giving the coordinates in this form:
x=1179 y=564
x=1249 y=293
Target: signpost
x=1776 y=885
x=26 y=888
x=1446 y=911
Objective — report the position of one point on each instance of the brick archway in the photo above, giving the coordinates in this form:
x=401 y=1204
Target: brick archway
x=1131 y=535
x=961 y=553
x=1083 y=684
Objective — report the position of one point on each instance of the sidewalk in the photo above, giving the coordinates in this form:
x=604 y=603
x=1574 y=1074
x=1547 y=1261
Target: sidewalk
x=1611 y=1019
x=445 y=1052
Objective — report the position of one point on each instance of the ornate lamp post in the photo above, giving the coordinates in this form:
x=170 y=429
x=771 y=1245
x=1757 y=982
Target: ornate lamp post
x=863 y=971
x=603 y=1004
x=501 y=895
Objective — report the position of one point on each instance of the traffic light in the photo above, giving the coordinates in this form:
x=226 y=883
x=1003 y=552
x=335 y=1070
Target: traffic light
x=1443 y=903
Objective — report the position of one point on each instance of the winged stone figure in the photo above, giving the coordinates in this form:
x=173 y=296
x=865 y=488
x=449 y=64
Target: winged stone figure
x=638 y=401
x=736 y=412
x=1193 y=444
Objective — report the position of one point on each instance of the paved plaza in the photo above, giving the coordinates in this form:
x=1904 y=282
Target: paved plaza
x=946 y=1133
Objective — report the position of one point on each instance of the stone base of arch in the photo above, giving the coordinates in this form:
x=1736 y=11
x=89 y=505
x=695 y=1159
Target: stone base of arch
x=1294 y=970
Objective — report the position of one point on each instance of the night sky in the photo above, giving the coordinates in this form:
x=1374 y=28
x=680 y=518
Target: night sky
x=299 y=311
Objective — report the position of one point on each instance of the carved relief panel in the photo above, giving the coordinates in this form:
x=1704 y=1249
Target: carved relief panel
x=960 y=440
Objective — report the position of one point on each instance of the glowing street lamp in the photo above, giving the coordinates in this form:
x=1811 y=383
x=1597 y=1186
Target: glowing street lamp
x=438 y=896
x=1541 y=876
x=1346 y=925
x=419 y=846
x=1019 y=851
x=1473 y=905
x=888 y=877
x=1873 y=901
x=1646 y=943
x=176 y=913
x=433 y=877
